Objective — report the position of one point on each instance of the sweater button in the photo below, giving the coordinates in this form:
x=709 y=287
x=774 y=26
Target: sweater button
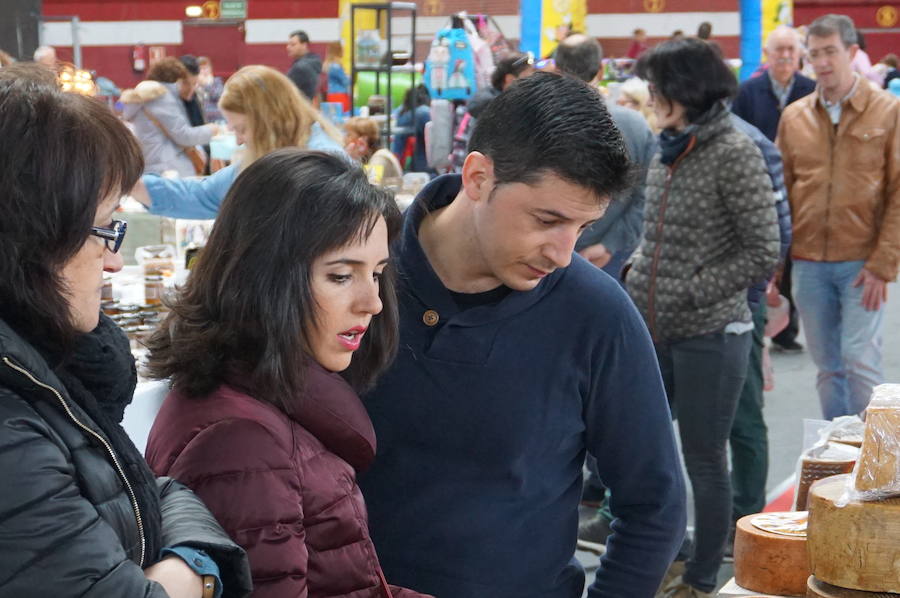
x=430 y=317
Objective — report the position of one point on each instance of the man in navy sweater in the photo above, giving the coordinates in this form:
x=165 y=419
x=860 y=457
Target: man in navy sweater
x=516 y=357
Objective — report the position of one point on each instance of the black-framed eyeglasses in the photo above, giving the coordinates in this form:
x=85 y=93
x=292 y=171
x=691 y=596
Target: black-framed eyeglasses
x=112 y=236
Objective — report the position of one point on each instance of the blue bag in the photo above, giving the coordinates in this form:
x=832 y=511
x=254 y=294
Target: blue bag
x=450 y=66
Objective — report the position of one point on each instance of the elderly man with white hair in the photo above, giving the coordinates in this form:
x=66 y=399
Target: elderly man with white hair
x=45 y=55
x=761 y=99
x=760 y=102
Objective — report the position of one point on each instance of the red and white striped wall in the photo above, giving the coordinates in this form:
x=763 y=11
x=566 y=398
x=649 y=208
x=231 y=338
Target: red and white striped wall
x=108 y=29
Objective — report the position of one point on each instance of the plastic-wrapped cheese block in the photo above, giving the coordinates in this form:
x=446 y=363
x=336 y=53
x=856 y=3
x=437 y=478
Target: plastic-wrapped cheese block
x=847 y=429
x=822 y=461
x=877 y=473
x=816 y=588
x=770 y=553
x=855 y=545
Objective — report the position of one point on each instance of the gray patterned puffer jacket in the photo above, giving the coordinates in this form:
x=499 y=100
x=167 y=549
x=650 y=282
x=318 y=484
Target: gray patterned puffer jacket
x=710 y=232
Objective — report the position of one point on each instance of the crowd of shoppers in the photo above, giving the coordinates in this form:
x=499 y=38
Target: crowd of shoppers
x=465 y=335
x=266 y=112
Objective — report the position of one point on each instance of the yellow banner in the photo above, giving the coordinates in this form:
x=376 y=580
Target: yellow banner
x=365 y=20
x=558 y=17
x=775 y=13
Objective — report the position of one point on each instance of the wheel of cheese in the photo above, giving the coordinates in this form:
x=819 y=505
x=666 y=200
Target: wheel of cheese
x=854 y=546
x=817 y=588
x=767 y=562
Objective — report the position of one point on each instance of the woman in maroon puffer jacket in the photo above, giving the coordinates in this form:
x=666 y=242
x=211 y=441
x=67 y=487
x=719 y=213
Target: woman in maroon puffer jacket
x=259 y=423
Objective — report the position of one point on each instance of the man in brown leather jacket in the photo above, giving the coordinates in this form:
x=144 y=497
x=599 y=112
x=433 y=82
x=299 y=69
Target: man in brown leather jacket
x=841 y=150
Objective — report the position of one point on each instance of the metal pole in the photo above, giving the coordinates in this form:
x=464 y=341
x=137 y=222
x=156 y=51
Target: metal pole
x=389 y=104
x=76 y=42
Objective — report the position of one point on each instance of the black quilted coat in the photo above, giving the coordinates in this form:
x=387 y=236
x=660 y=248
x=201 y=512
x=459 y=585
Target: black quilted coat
x=70 y=521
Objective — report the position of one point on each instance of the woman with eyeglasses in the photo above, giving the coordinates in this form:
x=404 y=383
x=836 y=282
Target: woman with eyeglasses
x=287 y=315
x=267 y=112
x=710 y=233
x=81 y=514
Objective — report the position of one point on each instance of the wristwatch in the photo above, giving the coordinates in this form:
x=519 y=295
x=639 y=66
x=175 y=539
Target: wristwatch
x=202 y=564
x=209 y=586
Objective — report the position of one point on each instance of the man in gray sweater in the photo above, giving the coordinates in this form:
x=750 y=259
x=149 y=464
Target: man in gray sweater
x=611 y=240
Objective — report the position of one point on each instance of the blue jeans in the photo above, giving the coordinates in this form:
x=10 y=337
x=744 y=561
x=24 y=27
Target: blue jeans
x=844 y=339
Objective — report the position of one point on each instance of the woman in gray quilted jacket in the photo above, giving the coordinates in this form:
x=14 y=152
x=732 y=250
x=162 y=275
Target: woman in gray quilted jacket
x=710 y=232
x=160 y=122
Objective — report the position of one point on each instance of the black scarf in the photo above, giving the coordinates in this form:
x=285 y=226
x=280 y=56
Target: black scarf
x=100 y=376
x=673 y=143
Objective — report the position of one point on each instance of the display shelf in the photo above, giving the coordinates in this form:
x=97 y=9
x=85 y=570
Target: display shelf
x=385 y=12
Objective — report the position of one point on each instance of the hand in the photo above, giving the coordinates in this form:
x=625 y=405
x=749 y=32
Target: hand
x=773 y=297
x=874 y=290
x=216 y=129
x=176 y=578
x=596 y=254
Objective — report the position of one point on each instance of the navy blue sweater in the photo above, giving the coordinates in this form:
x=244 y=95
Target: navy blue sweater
x=756 y=102
x=483 y=422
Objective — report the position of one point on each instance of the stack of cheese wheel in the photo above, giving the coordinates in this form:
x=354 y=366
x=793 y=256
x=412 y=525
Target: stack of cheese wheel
x=855 y=543
x=770 y=553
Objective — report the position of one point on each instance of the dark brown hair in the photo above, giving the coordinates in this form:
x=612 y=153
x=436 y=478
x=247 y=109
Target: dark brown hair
x=61 y=154
x=167 y=70
x=245 y=314
x=689 y=71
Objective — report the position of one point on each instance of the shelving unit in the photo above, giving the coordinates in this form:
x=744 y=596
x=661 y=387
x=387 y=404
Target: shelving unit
x=383 y=9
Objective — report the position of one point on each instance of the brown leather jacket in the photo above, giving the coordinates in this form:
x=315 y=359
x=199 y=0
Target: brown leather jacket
x=844 y=184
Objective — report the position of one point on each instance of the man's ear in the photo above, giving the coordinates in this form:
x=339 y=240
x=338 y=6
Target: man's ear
x=477 y=176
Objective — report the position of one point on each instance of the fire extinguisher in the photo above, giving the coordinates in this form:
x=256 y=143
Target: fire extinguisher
x=139 y=58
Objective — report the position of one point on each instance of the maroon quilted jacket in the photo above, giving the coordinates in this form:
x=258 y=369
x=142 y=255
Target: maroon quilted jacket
x=283 y=487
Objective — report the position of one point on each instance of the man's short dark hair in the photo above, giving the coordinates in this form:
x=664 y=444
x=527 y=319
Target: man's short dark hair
x=300 y=35
x=828 y=25
x=191 y=64
x=553 y=124
x=580 y=56
x=704 y=31
x=513 y=65
x=689 y=71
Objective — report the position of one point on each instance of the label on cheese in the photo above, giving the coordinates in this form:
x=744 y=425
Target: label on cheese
x=785 y=524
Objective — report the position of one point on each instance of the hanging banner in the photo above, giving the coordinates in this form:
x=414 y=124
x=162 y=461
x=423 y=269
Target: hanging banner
x=774 y=14
x=366 y=20
x=544 y=24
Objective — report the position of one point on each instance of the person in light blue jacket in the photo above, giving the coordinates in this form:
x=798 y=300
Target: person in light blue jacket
x=266 y=112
